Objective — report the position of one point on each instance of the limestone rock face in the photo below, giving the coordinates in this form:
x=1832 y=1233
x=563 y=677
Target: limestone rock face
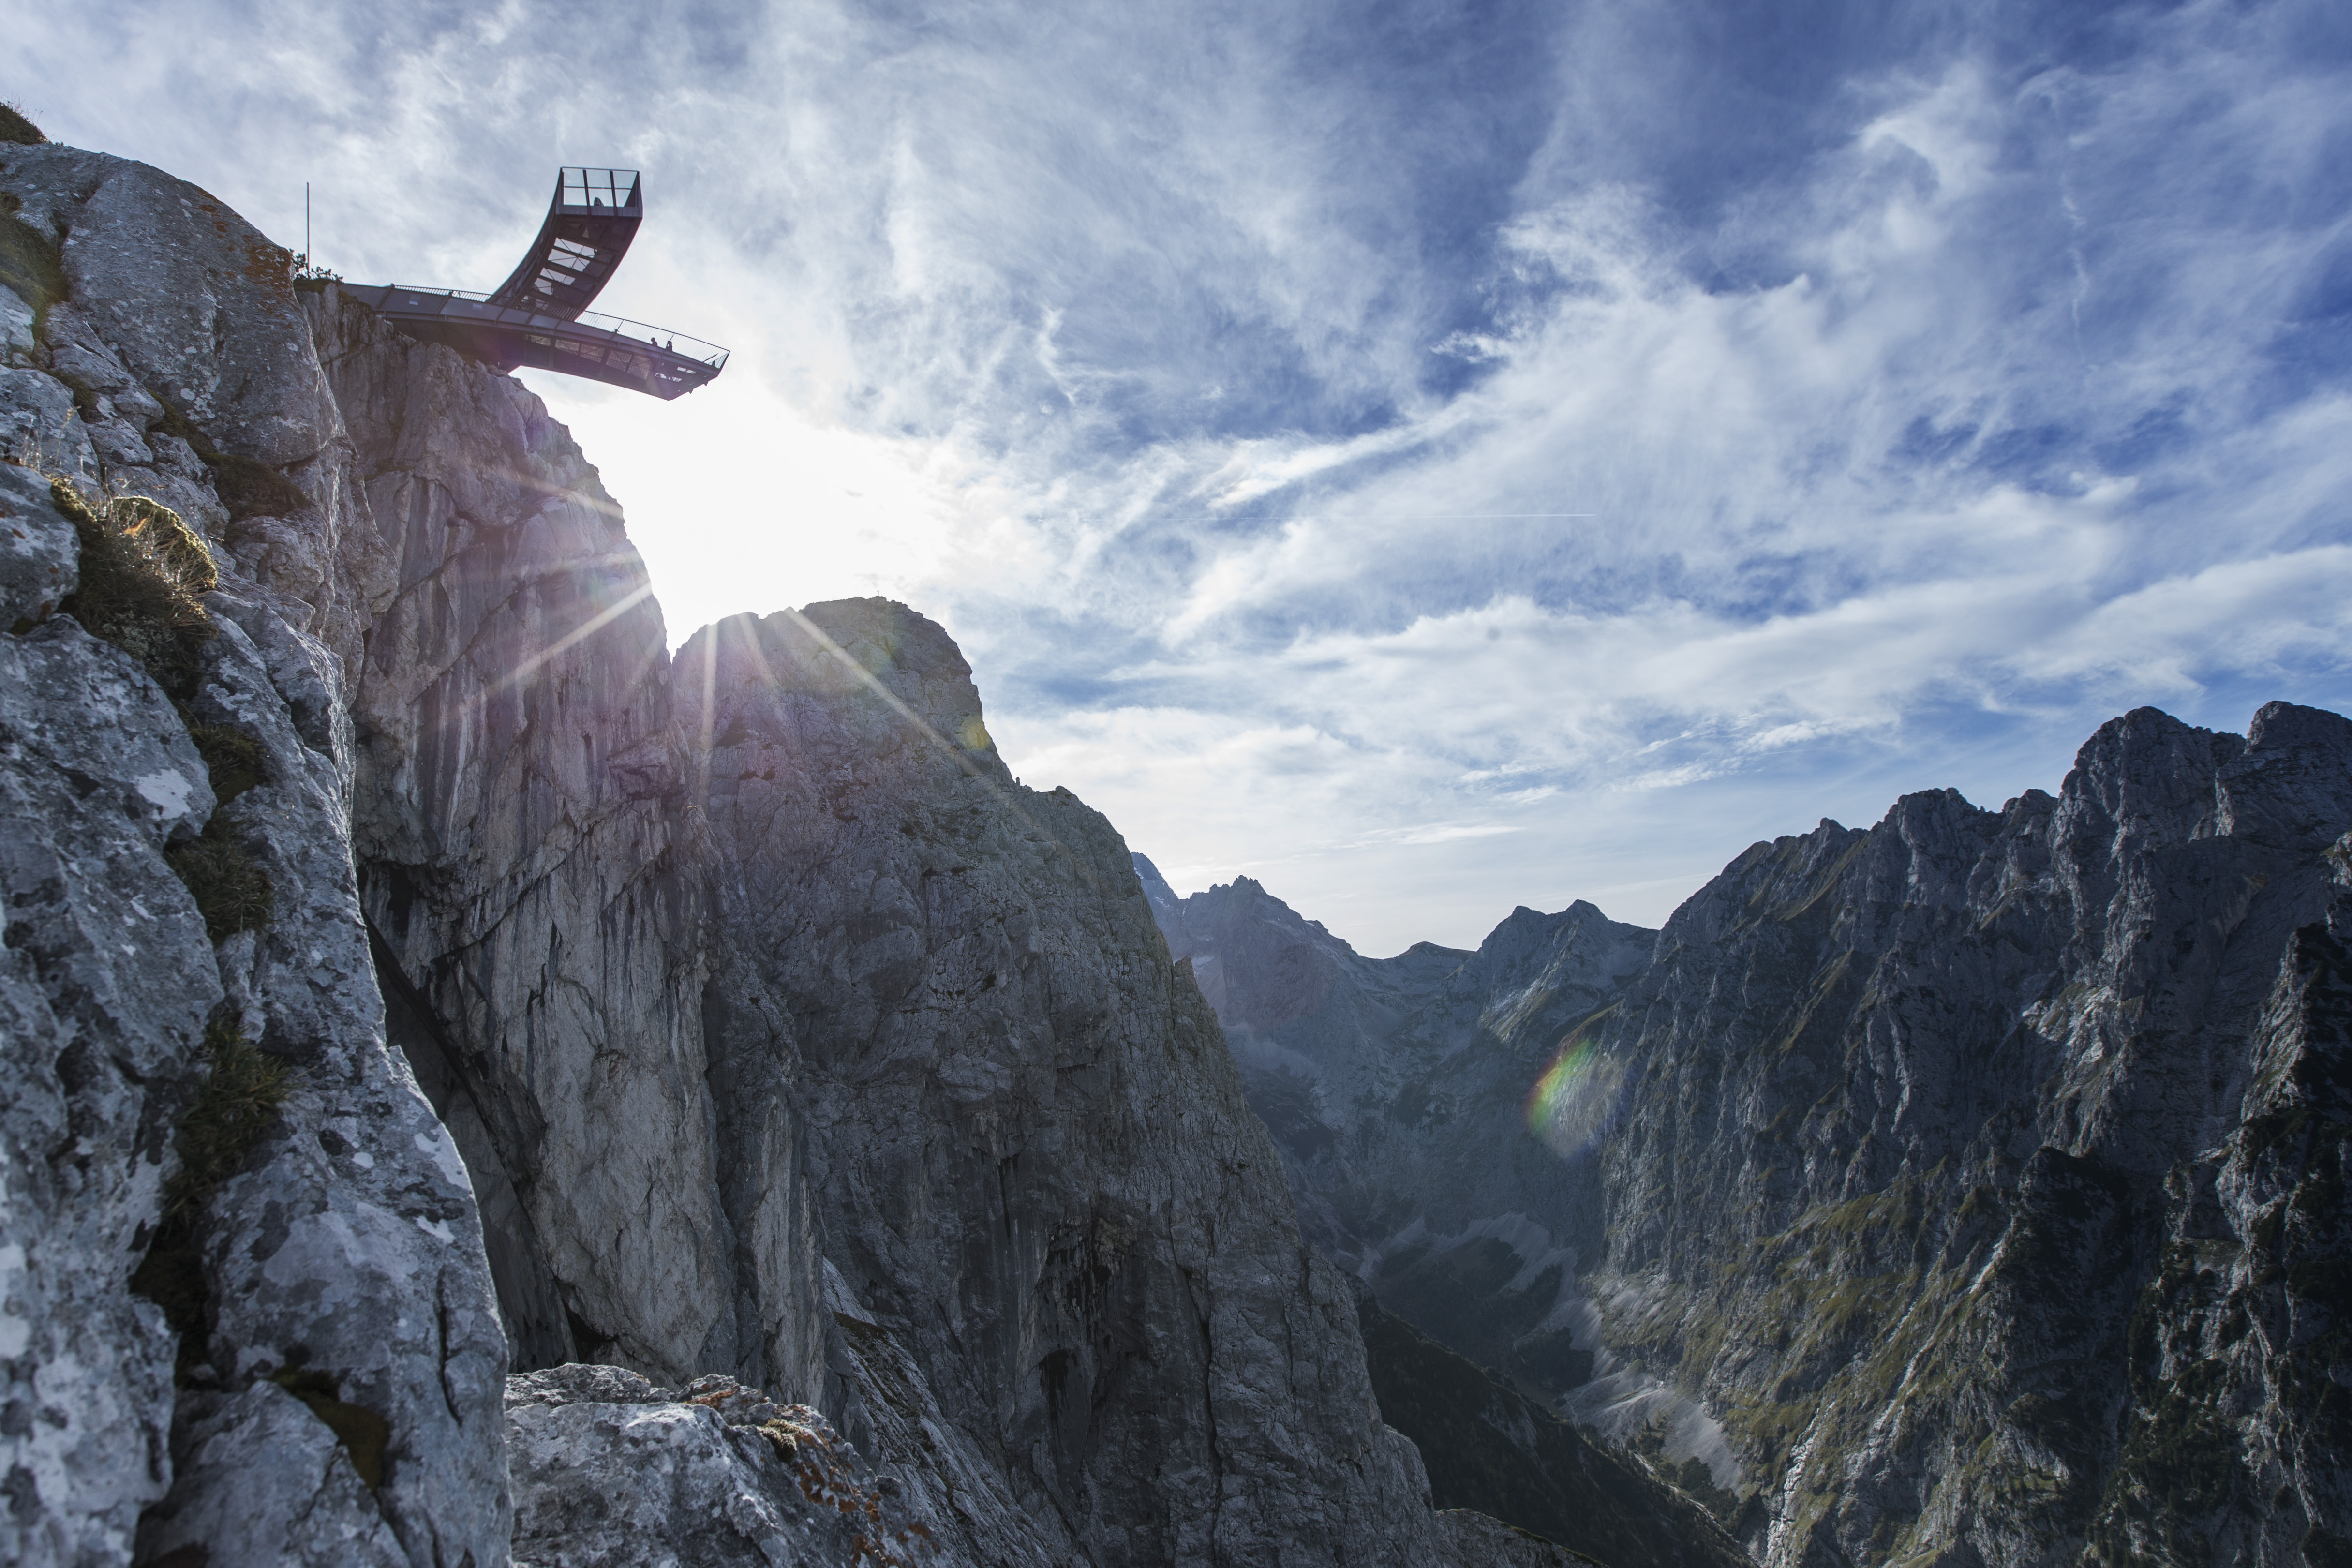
x=2236 y=1427
x=615 y=1472
x=353 y=1245
x=1933 y=1080
x=342 y=1252
x=105 y=982
x=1963 y=1189
x=181 y=319
x=536 y=895
x=41 y=427
x=1028 y=1149
x=262 y=1479
x=39 y=556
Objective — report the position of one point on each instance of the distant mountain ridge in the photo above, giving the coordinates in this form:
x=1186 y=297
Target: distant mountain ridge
x=1396 y=1088
x=1965 y=1189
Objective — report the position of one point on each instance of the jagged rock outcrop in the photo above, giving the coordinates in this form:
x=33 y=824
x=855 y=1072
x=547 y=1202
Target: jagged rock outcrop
x=535 y=890
x=1027 y=1146
x=105 y=984
x=2239 y=1420
x=722 y=1020
x=614 y=1471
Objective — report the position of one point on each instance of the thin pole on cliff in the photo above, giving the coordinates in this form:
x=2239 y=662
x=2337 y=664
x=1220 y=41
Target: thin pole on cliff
x=306 y=226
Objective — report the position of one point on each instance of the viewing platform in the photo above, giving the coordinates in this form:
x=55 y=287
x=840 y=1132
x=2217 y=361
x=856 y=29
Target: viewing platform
x=591 y=220
x=539 y=317
x=602 y=348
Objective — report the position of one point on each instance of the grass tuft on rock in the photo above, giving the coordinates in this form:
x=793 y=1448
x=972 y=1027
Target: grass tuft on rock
x=234 y=759
x=159 y=532
x=15 y=129
x=233 y=1110
x=143 y=569
x=232 y=893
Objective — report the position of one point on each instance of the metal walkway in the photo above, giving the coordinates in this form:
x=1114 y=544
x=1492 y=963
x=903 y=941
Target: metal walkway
x=540 y=317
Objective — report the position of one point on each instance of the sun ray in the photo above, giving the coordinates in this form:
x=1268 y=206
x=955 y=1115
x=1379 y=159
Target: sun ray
x=588 y=629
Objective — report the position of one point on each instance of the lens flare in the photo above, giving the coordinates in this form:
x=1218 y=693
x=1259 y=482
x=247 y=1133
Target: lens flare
x=1575 y=1101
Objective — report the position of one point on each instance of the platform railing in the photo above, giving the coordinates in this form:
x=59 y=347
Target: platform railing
x=678 y=343
x=579 y=187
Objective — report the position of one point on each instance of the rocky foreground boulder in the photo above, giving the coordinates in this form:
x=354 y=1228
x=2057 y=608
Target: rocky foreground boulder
x=412 y=978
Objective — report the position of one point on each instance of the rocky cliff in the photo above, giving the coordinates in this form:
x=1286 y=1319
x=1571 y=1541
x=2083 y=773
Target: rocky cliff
x=1963 y=1189
x=412 y=976
x=185 y=947
x=1994 y=1111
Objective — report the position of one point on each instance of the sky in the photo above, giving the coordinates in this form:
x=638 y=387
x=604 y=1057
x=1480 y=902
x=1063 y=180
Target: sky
x=1428 y=457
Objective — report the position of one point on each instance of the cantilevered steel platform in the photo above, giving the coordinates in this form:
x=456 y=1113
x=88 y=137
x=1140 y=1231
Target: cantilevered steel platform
x=602 y=348
x=540 y=317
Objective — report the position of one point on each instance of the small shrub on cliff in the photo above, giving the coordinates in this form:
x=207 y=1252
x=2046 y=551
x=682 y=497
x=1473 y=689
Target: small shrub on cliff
x=158 y=530
x=232 y=1112
x=141 y=570
x=15 y=128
